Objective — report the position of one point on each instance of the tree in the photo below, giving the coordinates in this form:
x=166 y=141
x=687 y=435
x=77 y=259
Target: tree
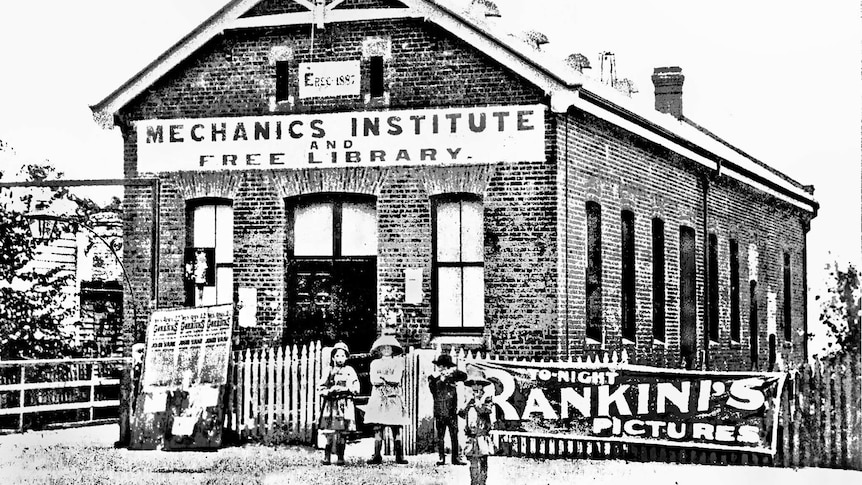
x=839 y=312
x=33 y=303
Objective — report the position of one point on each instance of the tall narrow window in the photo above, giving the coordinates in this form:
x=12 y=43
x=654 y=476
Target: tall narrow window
x=687 y=295
x=282 y=80
x=713 y=288
x=734 y=291
x=787 y=300
x=209 y=254
x=458 y=263
x=658 y=294
x=753 y=325
x=628 y=275
x=376 y=76
x=594 y=271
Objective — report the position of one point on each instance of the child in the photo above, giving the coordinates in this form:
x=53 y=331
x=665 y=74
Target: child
x=443 y=383
x=338 y=415
x=385 y=405
x=477 y=413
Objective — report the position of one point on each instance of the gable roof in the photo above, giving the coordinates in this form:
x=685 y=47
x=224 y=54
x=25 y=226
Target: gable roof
x=566 y=87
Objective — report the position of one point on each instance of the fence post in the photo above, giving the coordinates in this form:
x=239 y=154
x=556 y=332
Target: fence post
x=92 y=389
x=804 y=420
x=826 y=391
x=847 y=383
x=21 y=399
x=294 y=392
x=302 y=401
x=816 y=389
x=840 y=418
x=270 y=393
x=246 y=390
x=279 y=382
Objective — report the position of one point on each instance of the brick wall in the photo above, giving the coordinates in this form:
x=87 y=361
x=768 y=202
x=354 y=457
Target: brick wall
x=620 y=171
x=232 y=76
x=534 y=292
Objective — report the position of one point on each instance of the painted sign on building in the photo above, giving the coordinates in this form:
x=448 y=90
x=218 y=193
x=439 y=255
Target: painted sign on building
x=322 y=79
x=470 y=135
x=636 y=404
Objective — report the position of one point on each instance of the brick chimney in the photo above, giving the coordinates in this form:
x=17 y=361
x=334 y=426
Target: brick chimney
x=668 y=90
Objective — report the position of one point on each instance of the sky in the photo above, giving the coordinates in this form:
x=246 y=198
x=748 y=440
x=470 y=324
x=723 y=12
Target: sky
x=779 y=79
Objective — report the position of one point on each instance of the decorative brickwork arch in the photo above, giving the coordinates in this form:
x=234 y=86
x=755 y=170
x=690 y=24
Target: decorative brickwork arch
x=472 y=179
x=356 y=180
x=202 y=185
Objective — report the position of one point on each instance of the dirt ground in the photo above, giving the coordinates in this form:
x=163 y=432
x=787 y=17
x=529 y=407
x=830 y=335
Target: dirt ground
x=86 y=456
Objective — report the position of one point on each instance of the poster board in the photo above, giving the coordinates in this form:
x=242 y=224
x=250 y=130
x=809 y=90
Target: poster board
x=183 y=379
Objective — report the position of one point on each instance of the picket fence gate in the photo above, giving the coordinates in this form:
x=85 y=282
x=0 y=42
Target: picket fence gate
x=273 y=393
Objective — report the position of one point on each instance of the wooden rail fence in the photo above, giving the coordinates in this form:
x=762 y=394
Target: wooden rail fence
x=31 y=389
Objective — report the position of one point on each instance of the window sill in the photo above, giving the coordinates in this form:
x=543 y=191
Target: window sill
x=475 y=340
x=629 y=342
x=735 y=344
x=281 y=106
x=377 y=101
x=714 y=344
x=594 y=343
x=660 y=343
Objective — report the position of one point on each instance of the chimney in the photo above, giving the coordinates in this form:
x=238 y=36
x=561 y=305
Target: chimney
x=668 y=90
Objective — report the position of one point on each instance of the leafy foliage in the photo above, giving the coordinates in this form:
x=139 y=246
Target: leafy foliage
x=33 y=301
x=839 y=312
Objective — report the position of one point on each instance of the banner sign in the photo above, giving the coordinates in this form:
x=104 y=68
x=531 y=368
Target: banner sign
x=336 y=78
x=359 y=139
x=635 y=404
x=185 y=372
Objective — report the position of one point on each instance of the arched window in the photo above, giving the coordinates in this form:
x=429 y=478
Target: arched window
x=208 y=267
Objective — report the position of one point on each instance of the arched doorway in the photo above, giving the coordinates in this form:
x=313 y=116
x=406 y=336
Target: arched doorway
x=331 y=274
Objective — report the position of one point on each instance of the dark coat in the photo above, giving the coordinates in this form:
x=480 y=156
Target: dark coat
x=444 y=390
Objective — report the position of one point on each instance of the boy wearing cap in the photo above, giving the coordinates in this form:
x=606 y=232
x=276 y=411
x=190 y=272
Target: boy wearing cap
x=386 y=405
x=443 y=383
x=338 y=414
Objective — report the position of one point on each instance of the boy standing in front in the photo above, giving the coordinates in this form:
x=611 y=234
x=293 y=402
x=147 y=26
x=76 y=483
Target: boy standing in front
x=443 y=383
x=477 y=414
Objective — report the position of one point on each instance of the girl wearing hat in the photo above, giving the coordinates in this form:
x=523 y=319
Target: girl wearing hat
x=338 y=415
x=385 y=405
x=477 y=414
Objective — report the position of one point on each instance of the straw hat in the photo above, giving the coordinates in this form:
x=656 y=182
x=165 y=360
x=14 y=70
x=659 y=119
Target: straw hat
x=443 y=360
x=339 y=346
x=387 y=340
x=476 y=376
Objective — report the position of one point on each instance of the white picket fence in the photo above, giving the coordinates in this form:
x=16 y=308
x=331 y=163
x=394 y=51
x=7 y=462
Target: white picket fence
x=273 y=394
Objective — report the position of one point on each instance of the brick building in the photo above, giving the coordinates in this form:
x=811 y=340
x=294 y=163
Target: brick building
x=339 y=168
